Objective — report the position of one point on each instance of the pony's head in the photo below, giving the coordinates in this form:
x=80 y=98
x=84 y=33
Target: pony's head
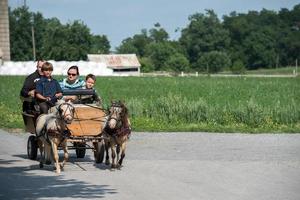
x=66 y=112
x=116 y=113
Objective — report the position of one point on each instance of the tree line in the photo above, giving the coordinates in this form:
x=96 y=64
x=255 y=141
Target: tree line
x=240 y=41
x=53 y=40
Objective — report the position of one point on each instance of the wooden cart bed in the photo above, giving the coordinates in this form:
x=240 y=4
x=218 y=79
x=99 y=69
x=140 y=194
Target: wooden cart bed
x=88 y=121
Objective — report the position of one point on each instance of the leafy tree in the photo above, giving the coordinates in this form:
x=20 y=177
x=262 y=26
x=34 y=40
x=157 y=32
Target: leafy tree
x=238 y=67
x=155 y=51
x=178 y=48
x=66 y=42
x=79 y=41
x=146 y=64
x=239 y=28
x=288 y=40
x=204 y=33
x=177 y=62
x=159 y=53
x=263 y=39
x=127 y=46
x=257 y=39
x=20 y=34
x=137 y=44
x=53 y=40
x=213 y=62
x=260 y=49
x=158 y=34
x=100 y=45
x=39 y=25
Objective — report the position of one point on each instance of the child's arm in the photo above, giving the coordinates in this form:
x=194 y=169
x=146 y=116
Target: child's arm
x=41 y=97
x=39 y=92
x=58 y=90
x=58 y=95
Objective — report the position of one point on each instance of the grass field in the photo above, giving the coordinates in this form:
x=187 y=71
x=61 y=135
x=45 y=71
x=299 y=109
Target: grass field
x=187 y=103
x=281 y=71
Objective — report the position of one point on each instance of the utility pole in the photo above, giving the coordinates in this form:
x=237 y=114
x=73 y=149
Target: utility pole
x=33 y=43
x=32 y=37
x=296 y=67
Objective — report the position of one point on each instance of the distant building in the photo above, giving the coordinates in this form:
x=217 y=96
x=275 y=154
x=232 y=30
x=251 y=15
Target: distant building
x=121 y=64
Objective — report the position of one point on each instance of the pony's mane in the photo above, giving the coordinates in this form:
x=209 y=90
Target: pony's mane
x=124 y=117
x=125 y=114
x=125 y=109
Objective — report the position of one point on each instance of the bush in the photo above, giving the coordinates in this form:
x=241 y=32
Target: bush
x=238 y=67
x=178 y=62
x=146 y=64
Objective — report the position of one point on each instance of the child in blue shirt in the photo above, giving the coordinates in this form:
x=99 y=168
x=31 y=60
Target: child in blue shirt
x=48 y=89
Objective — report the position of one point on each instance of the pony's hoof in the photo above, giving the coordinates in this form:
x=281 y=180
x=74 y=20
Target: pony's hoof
x=107 y=162
x=57 y=170
x=113 y=166
x=48 y=162
x=119 y=166
x=41 y=165
x=62 y=166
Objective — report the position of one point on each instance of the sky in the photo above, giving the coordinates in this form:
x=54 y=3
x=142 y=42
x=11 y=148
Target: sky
x=120 y=19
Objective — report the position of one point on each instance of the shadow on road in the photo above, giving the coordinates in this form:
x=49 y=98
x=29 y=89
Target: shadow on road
x=19 y=182
x=73 y=159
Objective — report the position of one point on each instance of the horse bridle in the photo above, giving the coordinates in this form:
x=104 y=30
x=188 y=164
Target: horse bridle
x=64 y=115
x=114 y=106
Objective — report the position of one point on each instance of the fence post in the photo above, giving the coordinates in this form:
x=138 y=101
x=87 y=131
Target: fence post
x=296 y=67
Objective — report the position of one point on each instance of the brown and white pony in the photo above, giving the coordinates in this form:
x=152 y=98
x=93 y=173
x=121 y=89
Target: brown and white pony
x=52 y=132
x=117 y=132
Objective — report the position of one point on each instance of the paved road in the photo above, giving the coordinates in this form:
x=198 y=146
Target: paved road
x=163 y=166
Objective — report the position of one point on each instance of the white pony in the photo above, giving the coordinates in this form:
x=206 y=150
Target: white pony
x=52 y=132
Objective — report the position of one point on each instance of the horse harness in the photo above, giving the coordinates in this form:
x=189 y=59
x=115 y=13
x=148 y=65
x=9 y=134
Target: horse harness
x=121 y=128
x=57 y=132
x=64 y=115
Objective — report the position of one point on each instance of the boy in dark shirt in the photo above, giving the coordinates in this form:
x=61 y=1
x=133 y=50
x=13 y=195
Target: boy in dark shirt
x=48 y=89
x=90 y=80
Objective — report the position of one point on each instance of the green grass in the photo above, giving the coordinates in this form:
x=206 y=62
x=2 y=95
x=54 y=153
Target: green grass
x=278 y=71
x=273 y=71
x=187 y=103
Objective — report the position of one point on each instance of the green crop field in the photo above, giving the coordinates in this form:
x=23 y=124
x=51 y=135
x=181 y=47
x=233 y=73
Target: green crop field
x=187 y=103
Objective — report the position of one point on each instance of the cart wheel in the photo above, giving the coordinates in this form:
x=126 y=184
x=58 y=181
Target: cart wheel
x=32 y=147
x=80 y=149
x=99 y=151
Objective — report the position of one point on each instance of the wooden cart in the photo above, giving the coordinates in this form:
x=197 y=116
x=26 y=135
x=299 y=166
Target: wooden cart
x=86 y=129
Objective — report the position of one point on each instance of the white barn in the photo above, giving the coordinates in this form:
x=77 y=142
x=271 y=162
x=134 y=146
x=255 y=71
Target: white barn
x=121 y=64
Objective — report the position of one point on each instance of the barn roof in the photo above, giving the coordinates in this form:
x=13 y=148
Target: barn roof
x=116 y=61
